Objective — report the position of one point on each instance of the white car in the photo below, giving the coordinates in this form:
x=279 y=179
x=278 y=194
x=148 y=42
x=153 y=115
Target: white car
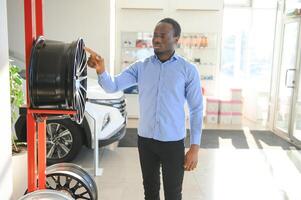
x=105 y=117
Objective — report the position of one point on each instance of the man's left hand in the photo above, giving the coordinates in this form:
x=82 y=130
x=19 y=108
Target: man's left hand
x=191 y=158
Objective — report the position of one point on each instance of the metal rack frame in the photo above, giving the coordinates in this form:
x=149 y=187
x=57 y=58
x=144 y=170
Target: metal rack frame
x=36 y=146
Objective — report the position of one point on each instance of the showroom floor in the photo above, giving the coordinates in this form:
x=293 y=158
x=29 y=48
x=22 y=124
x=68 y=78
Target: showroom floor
x=133 y=123
x=259 y=168
x=224 y=173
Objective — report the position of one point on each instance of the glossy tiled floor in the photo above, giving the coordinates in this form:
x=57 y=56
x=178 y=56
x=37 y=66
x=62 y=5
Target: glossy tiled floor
x=226 y=173
x=222 y=174
x=133 y=123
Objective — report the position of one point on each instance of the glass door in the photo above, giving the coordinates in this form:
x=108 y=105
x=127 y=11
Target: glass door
x=295 y=135
x=287 y=82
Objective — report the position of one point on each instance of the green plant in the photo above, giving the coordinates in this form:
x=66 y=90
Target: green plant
x=16 y=97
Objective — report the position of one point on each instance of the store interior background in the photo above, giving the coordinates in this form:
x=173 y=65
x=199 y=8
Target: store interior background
x=238 y=54
x=242 y=43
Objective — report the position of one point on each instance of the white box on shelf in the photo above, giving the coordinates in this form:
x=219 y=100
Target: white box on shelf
x=236 y=94
x=212 y=117
x=236 y=118
x=236 y=106
x=212 y=105
x=225 y=117
x=225 y=106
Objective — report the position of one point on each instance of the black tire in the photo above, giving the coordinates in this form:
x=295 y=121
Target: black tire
x=20 y=128
x=73 y=140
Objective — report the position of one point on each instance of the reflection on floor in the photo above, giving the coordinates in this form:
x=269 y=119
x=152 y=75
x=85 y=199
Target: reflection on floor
x=297 y=134
x=223 y=173
x=133 y=123
x=217 y=138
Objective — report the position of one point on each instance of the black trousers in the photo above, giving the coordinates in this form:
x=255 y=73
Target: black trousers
x=168 y=155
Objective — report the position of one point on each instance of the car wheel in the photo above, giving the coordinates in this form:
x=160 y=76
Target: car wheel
x=63 y=141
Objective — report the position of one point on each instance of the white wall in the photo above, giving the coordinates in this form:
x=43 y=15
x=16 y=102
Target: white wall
x=16 y=37
x=65 y=21
x=193 y=16
x=5 y=146
x=69 y=19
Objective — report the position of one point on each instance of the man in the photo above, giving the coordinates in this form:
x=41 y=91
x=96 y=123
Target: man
x=165 y=80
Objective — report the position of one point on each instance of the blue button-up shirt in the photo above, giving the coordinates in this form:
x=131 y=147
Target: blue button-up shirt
x=163 y=90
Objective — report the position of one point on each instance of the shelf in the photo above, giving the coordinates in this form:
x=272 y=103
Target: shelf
x=196 y=9
x=138 y=8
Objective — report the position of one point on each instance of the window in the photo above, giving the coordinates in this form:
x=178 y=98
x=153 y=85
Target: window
x=247 y=53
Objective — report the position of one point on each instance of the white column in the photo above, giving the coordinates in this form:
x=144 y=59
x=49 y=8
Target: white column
x=6 y=184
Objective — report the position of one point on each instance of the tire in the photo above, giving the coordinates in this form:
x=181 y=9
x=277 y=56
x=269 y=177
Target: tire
x=64 y=140
x=20 y=128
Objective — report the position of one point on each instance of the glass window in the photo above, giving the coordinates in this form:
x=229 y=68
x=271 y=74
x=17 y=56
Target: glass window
x=247 y=52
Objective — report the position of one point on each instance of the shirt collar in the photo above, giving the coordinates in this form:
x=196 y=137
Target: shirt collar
x=172 y=58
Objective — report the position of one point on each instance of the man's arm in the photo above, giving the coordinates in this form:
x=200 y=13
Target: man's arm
x=122 y=81
x=195 y=102
x=125 y=79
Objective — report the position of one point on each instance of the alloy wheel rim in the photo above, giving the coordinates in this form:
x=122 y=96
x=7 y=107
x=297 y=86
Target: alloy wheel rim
x=59 y=141
x=72 y=180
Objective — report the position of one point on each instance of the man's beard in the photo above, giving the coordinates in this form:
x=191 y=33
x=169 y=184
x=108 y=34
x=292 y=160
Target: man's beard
x=158 y=53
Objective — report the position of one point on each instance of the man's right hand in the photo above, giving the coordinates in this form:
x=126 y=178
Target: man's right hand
x=95 y=61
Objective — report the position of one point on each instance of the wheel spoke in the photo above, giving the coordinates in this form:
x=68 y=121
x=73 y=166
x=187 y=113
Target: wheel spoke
x=79 y=104
x=64 y=147
x=68 y=141
x=82 y=69
x=68 y=181
x=59 y=153
x=77 y=101
x=63 y=133
x=78 y=56
x=82 y=56
x=57 y=127
x=53 y=179
x=82 y=87
x=81 y=78
x=59 y=180
x=78 y=185
x=82 y=97
x=51 y=151
x=49 y=131
x=82 y=195
x=82 y=105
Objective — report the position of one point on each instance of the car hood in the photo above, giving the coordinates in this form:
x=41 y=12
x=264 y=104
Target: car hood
x=94 y=91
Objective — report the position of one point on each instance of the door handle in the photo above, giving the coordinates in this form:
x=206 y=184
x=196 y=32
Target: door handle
x=292 y=82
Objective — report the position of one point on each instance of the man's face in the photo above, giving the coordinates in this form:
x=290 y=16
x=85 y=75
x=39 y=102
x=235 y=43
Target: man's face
x=164 y=39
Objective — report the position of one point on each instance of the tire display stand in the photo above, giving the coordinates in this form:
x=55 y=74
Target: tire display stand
x=56 y=83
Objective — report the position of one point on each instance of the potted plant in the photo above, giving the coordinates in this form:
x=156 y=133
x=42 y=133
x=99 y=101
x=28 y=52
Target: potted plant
x=16 y=100
x=19 y=158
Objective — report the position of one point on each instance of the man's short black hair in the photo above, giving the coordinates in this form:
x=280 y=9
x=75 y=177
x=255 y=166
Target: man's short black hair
x=176 y=26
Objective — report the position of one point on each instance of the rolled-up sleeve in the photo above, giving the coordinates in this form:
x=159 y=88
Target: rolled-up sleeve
x=195 y=103
x=125 y=79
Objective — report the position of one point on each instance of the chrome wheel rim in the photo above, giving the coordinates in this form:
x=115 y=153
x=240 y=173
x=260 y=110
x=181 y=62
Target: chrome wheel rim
x=71 y=179
x=59 y=141
x=80 y=82
x=58 y=76
x=46 y=195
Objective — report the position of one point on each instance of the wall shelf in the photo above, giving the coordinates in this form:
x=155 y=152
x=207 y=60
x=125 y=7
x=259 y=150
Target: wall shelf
x=139 y=8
